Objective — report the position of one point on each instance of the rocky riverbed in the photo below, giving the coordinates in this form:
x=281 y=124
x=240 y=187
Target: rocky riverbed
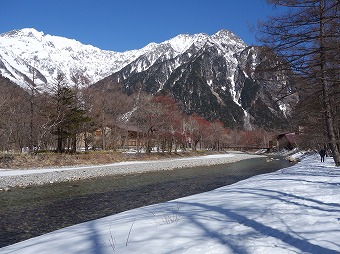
x=24 y=178
x=39 y=209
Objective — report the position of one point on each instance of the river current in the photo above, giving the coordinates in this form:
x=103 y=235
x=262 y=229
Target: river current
x=32 y=211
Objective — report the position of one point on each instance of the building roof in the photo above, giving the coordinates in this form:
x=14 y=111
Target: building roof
x=291 y=137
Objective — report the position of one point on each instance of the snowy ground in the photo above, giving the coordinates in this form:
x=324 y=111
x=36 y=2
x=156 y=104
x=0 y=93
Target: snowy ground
x=294 y=210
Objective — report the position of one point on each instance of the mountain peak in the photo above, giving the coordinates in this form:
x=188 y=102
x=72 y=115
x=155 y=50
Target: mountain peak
x=25 y=32
x=223 y=33
x=227 y=36
x=26 y=49
x=31 y=35
x=182 y=42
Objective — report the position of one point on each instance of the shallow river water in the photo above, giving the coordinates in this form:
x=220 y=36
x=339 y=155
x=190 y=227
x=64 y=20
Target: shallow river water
x=29 y=212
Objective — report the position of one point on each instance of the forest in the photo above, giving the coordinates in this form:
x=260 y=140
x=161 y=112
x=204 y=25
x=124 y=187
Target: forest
x=76 y=117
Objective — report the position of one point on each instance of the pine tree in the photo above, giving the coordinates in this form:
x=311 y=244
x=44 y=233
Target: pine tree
x=69 y=114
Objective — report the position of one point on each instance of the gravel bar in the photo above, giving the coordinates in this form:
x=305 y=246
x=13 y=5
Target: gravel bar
x=24 y=178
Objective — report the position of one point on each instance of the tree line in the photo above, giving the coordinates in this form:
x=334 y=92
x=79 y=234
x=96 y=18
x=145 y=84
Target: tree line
x=306 y=37
x=66 y=117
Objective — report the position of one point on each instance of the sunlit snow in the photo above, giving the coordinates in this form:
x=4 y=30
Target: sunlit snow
x=294 y=210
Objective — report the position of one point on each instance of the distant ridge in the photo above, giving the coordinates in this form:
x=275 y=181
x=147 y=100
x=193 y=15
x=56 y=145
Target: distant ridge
x=214 y=76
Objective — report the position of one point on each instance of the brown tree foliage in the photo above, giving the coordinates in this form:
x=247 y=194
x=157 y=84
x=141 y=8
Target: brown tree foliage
x=73 y=116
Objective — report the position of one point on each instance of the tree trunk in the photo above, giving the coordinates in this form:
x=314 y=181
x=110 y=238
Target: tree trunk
x=103 y=138
x=74 y=143
x=60 y=141
x=331 y=135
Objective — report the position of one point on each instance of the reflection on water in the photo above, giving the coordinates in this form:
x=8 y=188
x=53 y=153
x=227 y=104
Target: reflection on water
x=29 y=212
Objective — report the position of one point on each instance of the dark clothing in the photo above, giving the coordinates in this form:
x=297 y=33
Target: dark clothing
x=322 y=154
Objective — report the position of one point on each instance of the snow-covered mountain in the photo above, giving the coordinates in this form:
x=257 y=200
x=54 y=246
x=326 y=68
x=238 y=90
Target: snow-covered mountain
x=27 y=51
x=214 y=76
x=218 y=77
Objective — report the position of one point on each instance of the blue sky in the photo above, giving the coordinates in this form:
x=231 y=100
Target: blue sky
x=132 y=24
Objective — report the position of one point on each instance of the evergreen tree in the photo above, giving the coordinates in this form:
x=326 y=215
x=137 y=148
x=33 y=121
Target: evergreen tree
x=69 y=115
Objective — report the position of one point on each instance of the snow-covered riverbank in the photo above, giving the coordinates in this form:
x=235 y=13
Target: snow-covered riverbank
x=12 y=178
x=294 y=210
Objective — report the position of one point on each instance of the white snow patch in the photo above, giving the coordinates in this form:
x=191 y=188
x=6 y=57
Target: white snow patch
x=294 y=210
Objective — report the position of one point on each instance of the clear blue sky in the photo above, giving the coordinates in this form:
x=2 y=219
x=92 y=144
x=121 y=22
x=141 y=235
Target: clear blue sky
x=121 y=25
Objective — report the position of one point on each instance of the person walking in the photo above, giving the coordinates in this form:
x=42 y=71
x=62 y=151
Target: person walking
x=322 y=154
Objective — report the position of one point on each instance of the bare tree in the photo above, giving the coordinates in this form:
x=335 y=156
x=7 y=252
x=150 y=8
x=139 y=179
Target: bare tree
x=302 y=38
x=107 y=109
x=14 y=121
x=33 y=91
x=217 y=133
x=198 y=130
x=147 y=115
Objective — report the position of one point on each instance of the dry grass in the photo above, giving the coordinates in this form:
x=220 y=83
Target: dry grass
x=41 y=160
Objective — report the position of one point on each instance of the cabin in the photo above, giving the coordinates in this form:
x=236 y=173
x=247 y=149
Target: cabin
x=131 y=137
x=119 y=136
x=286 y=141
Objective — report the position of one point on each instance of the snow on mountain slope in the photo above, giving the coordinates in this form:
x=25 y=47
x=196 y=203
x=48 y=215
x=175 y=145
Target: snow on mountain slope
x=21 y=51
x=26 y=53
x=214 y=76
x=176 y=52
x=183 y=42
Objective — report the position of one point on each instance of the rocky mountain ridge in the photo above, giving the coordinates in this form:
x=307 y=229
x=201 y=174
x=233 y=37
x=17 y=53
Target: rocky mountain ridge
x=27 y=51
x=217 y=77
x=214 y=76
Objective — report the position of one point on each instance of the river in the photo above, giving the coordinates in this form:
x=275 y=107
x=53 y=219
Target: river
x=32 y=211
